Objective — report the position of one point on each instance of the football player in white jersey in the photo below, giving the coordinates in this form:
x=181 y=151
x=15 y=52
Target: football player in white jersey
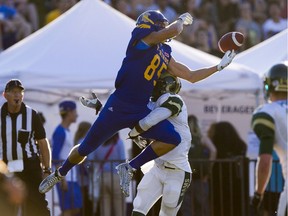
x=170 y=176
x=269 y=123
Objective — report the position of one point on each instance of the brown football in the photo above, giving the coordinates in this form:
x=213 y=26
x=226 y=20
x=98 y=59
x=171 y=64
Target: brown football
x=231 y=40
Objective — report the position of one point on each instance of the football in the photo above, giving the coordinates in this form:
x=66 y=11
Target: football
x=231 y=40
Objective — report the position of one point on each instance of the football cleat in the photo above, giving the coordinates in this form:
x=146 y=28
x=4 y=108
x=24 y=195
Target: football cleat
x=125 y=172
x=50 y=181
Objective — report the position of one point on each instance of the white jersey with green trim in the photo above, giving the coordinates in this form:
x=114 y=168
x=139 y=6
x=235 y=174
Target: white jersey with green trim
x=179 y=155
x=278 y=110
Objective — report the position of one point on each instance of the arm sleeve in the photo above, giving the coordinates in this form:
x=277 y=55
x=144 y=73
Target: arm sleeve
x=154 y=117
x=58 y=139
x=264 y=127
x=170 y=107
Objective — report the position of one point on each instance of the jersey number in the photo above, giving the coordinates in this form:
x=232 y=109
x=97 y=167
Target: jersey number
x=153 y=67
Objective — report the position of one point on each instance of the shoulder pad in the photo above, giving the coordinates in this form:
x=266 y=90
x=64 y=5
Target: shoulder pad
x=174 y=104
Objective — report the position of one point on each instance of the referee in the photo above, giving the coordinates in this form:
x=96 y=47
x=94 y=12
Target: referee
x=22 y=138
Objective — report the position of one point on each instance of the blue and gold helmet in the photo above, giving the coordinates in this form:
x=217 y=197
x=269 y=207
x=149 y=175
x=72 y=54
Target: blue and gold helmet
x=276 y=79
x=153 y=18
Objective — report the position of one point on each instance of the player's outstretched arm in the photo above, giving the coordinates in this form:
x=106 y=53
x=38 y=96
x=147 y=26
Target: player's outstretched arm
x=93 y=103
x=181 y=70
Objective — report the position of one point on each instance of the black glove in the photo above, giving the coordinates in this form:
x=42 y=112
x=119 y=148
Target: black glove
x=257 y=203
x=94 y=103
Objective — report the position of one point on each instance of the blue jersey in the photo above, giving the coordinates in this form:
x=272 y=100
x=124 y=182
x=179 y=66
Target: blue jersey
x=140 y=69
x=128 y=104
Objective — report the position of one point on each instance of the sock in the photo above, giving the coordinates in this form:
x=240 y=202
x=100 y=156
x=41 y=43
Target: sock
x=147 y=155
x=66 y=166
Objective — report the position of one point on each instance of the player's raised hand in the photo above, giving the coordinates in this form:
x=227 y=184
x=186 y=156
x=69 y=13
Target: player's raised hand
x=226 y=60
x=93 y=103
x=186 y=18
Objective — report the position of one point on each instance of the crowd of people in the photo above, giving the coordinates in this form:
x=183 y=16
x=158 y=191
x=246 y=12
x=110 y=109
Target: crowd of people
x=256 y=19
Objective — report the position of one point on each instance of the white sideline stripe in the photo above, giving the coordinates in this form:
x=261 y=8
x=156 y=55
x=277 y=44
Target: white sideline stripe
x=235 y=40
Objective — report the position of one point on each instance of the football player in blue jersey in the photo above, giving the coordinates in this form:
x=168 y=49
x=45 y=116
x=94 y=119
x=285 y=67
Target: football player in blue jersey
x=147 y=56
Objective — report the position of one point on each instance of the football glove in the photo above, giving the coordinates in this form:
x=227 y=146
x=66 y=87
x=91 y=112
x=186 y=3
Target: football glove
x=226 y=60
x=134 y=135
x=93 y=103
x=186 y=18
x=256 y=203
x=139 y=141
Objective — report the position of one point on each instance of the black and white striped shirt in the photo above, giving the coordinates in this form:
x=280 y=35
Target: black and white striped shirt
x=27 y=119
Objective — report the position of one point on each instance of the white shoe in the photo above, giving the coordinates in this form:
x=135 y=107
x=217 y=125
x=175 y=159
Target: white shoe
x=50 y=181
x=125 y=172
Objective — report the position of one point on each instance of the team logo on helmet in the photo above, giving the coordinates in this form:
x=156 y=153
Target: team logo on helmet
x=276 y=79
x=152 y=18
x=145 y=18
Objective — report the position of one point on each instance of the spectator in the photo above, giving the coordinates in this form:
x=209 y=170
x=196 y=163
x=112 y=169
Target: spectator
x=165 y=9
x=259 y=11
x=14 y=26
x=252 y=30
x=196 y=200
x=83 y=172
x=226 y=178
x=204 y=41
x=142 y=5
x=29 y=12
x=275 y=23
x=202 y=34
x=110 y=154
x=69 y=191
x=188 y=34
x=125 y=7
x=22 y=141
x=227 y=13
x=61 y=7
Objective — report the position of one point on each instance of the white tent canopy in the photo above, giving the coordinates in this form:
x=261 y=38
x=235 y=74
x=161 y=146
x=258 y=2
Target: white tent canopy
x=83 y=50
x=264 y=55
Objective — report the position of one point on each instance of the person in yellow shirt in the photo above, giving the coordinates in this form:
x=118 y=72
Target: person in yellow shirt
x=62 y=7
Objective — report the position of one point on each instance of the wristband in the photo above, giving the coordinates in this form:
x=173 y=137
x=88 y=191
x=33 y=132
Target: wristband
x=258 y=195
x=47 y=170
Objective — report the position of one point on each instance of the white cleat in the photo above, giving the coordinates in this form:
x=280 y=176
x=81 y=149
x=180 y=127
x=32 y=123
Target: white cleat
x=125 y=172
x=50 y=181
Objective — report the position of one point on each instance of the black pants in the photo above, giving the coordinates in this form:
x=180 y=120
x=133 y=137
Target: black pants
x=35 y=204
